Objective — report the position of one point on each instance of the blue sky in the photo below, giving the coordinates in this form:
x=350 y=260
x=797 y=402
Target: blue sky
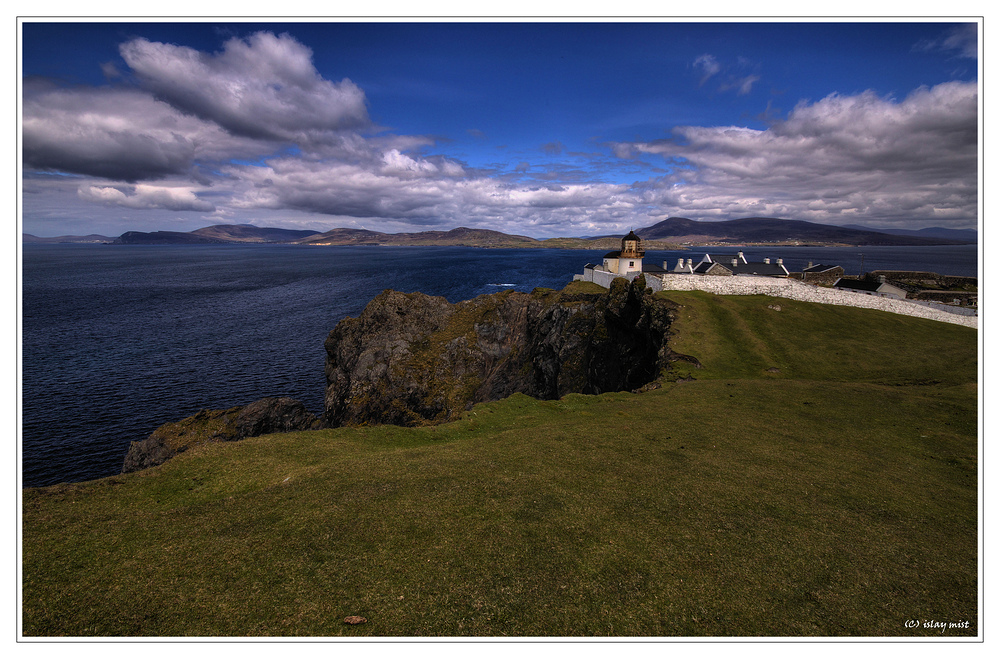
x=543 y=129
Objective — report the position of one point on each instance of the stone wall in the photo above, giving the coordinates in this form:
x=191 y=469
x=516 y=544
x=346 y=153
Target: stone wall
x=948 y=297
x=926 y=278
x=796 y=290
x=818 y=278
x=604 y=278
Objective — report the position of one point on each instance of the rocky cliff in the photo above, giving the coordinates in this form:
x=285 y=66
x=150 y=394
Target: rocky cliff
x=410 y=358
x=265 y=416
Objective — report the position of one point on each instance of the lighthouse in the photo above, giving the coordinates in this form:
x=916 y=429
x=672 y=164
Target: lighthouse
x=626 y=262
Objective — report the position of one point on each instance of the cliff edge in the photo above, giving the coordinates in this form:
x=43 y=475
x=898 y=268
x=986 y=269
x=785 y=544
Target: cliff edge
x=262 y=417
x=410 y=358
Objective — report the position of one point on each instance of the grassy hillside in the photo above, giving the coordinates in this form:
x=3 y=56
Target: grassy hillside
x=817 y=478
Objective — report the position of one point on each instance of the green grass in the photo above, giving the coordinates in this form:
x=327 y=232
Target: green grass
x=836 y=497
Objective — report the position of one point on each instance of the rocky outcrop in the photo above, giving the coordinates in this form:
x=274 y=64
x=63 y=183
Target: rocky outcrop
x=410 y=358
x=265 y=416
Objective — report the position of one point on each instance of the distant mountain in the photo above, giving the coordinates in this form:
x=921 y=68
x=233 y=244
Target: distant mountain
x=462 y=236
x=164 y=238
x=774 y=230
x=967 y=235
x=466 y=237
x=216 y=234
x=247 y=233
x=91 y=238
x=345 y=237
x=671 y=233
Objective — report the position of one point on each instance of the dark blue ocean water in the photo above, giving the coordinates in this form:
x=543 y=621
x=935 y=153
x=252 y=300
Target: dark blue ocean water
x=118 y=340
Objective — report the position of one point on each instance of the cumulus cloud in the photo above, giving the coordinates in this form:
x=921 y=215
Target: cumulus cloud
x=403 y=166
x=255 y=131
x=118 y=134
x=839 y=159
x=144 y=196
x=258 y=97
x=402 y=191
x=264 y=86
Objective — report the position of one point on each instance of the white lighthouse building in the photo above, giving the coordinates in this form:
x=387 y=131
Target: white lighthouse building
x=626 y=262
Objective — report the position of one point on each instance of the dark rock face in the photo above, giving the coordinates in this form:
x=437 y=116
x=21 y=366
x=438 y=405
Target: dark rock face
x=268 y=415
x=410 y=358
x=271 y=415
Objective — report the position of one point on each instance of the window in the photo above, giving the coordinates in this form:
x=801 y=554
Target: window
x=631 y=264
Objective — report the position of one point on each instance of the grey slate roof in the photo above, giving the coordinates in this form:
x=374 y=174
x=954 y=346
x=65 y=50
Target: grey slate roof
x=763 y=269
x=741 y=268
x=704 y=267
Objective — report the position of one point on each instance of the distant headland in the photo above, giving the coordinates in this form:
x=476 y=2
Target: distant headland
x=670 y=234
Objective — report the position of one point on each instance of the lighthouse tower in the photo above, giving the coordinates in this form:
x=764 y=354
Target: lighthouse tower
x=626 y=262
x=630 y=256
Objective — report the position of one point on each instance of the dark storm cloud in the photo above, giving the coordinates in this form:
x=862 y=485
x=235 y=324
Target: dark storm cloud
x=118 y=135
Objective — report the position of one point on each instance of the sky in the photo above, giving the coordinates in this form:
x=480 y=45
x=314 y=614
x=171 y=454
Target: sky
x=544 y=129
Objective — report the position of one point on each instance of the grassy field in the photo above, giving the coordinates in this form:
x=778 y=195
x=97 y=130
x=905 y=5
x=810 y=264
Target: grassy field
x=818 y=477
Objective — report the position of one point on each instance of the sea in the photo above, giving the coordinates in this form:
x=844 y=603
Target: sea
x=117 y=340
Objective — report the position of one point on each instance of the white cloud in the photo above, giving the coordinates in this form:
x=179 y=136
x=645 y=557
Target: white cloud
x=746 y=84
x=840 y=158
x=255 y=131
x=146 y=197
x=403 y=166
x=420 y=192
x=265 y=86
x=962 y=40
x=708 y=66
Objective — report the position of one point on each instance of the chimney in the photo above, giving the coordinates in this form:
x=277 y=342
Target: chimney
x=767 y=260
x=736 y=262
x=680 y=264
x=780 y=261
x=690 y=263
x=740 y=256
x=881 y=279
x=810 y=265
